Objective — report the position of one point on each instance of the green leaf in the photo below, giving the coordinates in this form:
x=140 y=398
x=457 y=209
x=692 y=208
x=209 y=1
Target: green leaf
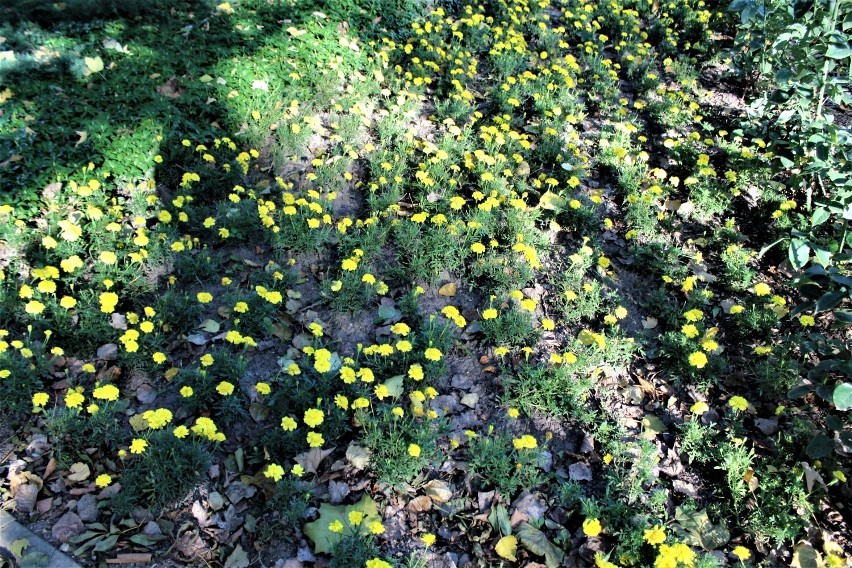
x=651 y=426
x=323 y=539
x=551 y=202
x=839 y=51
x=107 y=544
x=238 y=558
x=821 y=446
x=499 y=519
x=819 y=217
x=536 y=542
x=19 y=546
x=388 y=312
x=696 y=529
x=842 y=397
x=146 y=540
x=394 y=385
x=94 y=64
x=210 y=326
x=799 y=253
x=828 y=301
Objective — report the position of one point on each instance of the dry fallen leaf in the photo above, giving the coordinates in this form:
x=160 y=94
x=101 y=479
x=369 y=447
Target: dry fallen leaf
x=507 y=547
x=79 y=472
x=448 y=289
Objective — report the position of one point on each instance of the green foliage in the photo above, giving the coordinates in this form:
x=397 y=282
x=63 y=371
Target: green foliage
x=75 y=432
x=164 y=473
x=390 y=437
x=496 y=463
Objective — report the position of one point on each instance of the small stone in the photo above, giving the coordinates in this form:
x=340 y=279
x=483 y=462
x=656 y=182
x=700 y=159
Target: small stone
x=67 y=527
x=470 y=400
x=445 y=404
x=108 y=352
x=151 y=528
x=462 y=382
x=768 y=426
x=146 y=393
x=25 y=497
x=579 y=472
x=87 y=508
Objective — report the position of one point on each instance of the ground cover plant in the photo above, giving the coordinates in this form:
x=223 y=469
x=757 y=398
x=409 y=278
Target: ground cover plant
x=502 y=283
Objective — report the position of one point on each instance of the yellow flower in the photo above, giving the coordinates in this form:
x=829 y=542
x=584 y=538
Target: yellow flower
x=103 y=480
x=355 y=518
x=806 y=320
x=699 y=407
x=67 y=302
x=74 y=399
x=377 y=563
x=336 y=526
x=159 y=357
x=698 y=360
x=288 y=424
x=592 y=527
x=694 y=315
x=40 y=398
x=428 y=539
x=108 y=301
x=297 y=470
x=738 y=403
x=415 y=372
x=513 y=413
x=401 y=329
x=207 y=359
x=156 y=419
x=313 y=417
x=106 y=392
x=414 y=450
x=689 y=330
x=548 y=324
x=489 y=314
x=34 y=307
x=376 y=527
x=181 y=432
x=315 y=439
x=433 y=354
x=262 y=388
x=204 y=297
x=525 y=442
x=741 y=552
x=274 y=472
x=138 y=445
x=225 y=388
x=186 y=391
x=655 y=535
x=762 y=289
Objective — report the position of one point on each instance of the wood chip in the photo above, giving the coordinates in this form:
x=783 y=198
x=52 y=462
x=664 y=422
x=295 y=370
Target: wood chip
x=131 y=558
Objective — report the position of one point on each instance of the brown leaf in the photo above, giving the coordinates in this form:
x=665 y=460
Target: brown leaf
x=448 y=289
x=420 y=504
x=170 y=89
x=79 y=472
x=311 y=459
x=438 y=490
